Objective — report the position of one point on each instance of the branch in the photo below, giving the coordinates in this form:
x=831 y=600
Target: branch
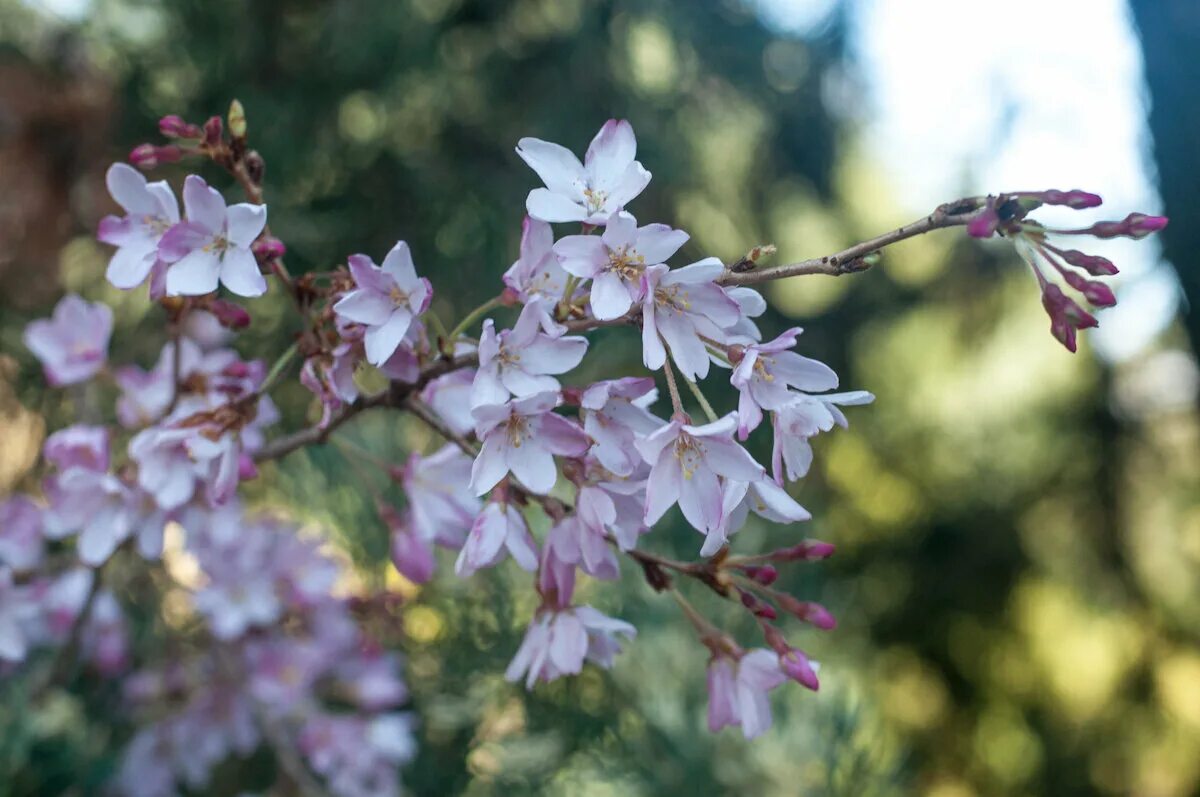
x=851 y=260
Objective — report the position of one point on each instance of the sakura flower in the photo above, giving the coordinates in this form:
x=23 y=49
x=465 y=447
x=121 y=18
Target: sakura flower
x=801 y=418
x=683 y=306
x=78 y=446
x=686 y=462
x=558 y=642
x=751 y=305
x=450 y=398
x=591 y=191
x=616 y=260
x=441 y=503
x=578 y=543
x=72 y=344
x=165 y=468
x=330 y=376
x=150 y=210
x=498 y=528
x=243 y=598
x=95 y=504
x=537 y=271
x=766 y=498
x=386 y=300
x=766 y=371
x=615 y=414
x=520 y=361
x=21 y=543
x=213 y=244
x=737 y=691
x=523 y=438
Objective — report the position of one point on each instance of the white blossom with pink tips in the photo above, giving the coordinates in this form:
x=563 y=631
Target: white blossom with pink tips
x=608 y=178
x=615 y=413
x=523 y=360
x=801 y=418
x=737 y=691
x=765 y=373
x=72 y=344
x=687 y=464
x=498 y=529
x=213 y=245
x=150 y=210
x=682 y=307
x=558 y=642
x=522 y=438
x=386 y=300
x=616 y=260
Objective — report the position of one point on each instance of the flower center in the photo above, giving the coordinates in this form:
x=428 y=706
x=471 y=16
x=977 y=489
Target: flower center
x=398 y=296
x=156 y=224
x=518 y=430
x=690 y=454
x=672 y=298
x=626 y=263
x=218 y=245
x=760 y=368
x=595 y=199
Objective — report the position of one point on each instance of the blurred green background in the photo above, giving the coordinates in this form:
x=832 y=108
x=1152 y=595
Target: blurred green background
x=1018 y=569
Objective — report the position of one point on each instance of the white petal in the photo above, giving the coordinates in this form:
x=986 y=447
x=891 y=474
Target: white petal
x=240 y=274
x=195 y=274
x=244 y=223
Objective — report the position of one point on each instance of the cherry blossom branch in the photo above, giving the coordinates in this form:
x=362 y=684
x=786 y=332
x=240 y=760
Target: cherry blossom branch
x=672 y=388
x=853 y=259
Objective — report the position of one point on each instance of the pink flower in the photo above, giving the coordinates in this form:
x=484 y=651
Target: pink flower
x=615 y=414
x=519 y=361
x=767 y=371
x=737 y=691
x=441 y=503
x=450 y=398
x=73 y=343
x=537 y=272
x=558 y=642
x=764 y=497
x=166 y=470
x=683 y=306
x=213 y=244
x=151 y=209
x=94 y=503
x=331 y=377
x=21 y=543
x=498 y=528
x=523 y=438
x=616 y=260
x=386 y=301
x=78 y=446
x=591 y=191
x=686 y=463
x=576 y=542
x=800 y=419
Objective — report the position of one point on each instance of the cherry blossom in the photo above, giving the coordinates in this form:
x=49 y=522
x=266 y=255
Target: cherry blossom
x=523 y=437
x=558 y=642
x=498 y=528
x=150 y=210
x=591 y=191
x=615 y=261
x=72 y=344
x=213 y=244
x=765 y=372
x=682 y=307
x=738 y=688
x=537 y=273
x=803 y=417
x=386 y=300
x=615 y=413
x=520 y=361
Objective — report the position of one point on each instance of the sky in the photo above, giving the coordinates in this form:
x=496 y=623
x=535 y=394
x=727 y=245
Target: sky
x=970 y=97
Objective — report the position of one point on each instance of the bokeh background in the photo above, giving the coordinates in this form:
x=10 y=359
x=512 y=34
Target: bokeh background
x=1018 y=529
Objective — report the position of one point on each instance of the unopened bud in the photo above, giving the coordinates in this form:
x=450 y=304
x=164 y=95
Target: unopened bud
x=1093 y=264
x=1097 y=293
x=985 y=223
x=246 y=468
x=212 y=132
x=268 y=248
x=148 y=156
x=237 y=370
x=1074 y=199
x=808 y=551
x=763 y=574
x=175 y=127
x=237 y=120
x=812 y=613
x=1135 y=225
x=757 y=608
x=228 y=314
x=256 y=167
x=797 y=667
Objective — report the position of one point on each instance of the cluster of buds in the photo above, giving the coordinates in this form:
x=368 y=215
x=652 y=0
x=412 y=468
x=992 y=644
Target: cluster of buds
x=596 y=459
x=1006 y=215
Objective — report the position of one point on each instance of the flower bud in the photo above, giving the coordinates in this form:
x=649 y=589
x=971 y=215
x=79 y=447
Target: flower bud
x=808 y=551
x=985 y=223
x=812 y=613
x=148 y=156
x=797 y=667
x=175 y=127
x=763 y=574
x=757 y=608
x=1093 y=264
x=229 y=315
x=237 y=119
x=1074 y=199
x=212 y=132
x=256 y=167
x=246 y=467
x=1135 y=225
x=268 y=248
x=1097 y=293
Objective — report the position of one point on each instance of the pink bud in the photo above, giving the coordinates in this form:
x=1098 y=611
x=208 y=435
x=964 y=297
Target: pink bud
x=1099 y=294
x=212 y=132
x=808 y=551
x=1075 y=198
x=148 y=156
x=812 y=613
x=763 y=574
x=246 y=468
x=1093 y=264
x=985 y=223
x=797 y=667
x=757 y=607
x=268 y=248
x=229 y=315
x=1135 y=225
x=237 y=370
x=175 y=127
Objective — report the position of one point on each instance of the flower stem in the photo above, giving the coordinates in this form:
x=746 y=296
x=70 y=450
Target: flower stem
x=672 y=388
x=473 y=316
x=278 y=368
x=704 y=405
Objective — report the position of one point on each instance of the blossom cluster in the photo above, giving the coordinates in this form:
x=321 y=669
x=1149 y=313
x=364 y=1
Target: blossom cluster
x=603 y=461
